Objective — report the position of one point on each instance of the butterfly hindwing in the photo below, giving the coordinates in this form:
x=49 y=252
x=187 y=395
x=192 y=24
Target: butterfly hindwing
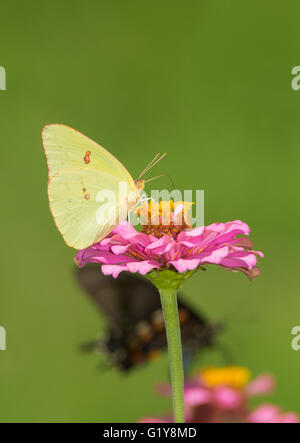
x=136 y=332
x=76 y=207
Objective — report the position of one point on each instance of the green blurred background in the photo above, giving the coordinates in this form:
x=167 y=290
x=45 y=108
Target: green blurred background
x=210 y=83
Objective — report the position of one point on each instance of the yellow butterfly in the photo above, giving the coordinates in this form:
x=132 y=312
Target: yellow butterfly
x=90 y=191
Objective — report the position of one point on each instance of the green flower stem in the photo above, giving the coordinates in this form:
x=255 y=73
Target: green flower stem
x=170 y=310
x=168 y=282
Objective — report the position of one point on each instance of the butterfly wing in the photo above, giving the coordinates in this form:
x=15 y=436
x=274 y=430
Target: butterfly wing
x=78 y=170
x=126 y=302
x=136 y=331
x=131 y=297
x=81 y=219
x=66 y=148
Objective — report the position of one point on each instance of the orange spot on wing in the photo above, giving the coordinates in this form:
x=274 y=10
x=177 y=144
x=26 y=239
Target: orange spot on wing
x=87 y=157
x=87 y=196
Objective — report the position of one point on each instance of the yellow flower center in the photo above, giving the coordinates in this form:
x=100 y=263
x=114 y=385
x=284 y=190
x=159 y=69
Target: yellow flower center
x=164 y=217
x=232 y=376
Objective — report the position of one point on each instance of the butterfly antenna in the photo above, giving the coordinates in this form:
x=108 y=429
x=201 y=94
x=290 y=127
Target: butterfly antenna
x=148 y=166
x=162 y=175
x=154 y=162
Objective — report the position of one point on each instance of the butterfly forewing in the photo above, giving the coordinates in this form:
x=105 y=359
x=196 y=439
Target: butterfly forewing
x=85 y=182
x=66 y=148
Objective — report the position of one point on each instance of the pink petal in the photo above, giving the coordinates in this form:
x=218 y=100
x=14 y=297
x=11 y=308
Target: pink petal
x=228 y=398
x=215 y=256
x=263 y=384
x=196 y=396
x=266 y=413
x=160 y=246
x=236 y=225
x=120 y=249
x=93 y=255
x=124 y=228
x=183 y=265
x=240 y=259
x=113 y=270
x=196 y=232
x=143 y=267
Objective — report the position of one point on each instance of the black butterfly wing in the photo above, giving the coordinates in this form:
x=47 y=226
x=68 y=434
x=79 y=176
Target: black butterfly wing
x=136 y=332
x=196 y=332
x=125 y=299
x=125 y=302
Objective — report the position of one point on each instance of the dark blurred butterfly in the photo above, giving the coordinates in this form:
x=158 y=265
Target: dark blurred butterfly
x=136 y=332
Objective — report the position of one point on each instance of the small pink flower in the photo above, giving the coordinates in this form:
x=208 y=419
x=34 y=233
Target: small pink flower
x=222 y=395
x=126 y=249
x=268 y=413
x=195 y=396
x=228 y=398
x=261 y=385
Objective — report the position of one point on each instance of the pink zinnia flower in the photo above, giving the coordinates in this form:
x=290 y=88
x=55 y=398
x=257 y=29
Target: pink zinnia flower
x=222 y=395
x=126 y=249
